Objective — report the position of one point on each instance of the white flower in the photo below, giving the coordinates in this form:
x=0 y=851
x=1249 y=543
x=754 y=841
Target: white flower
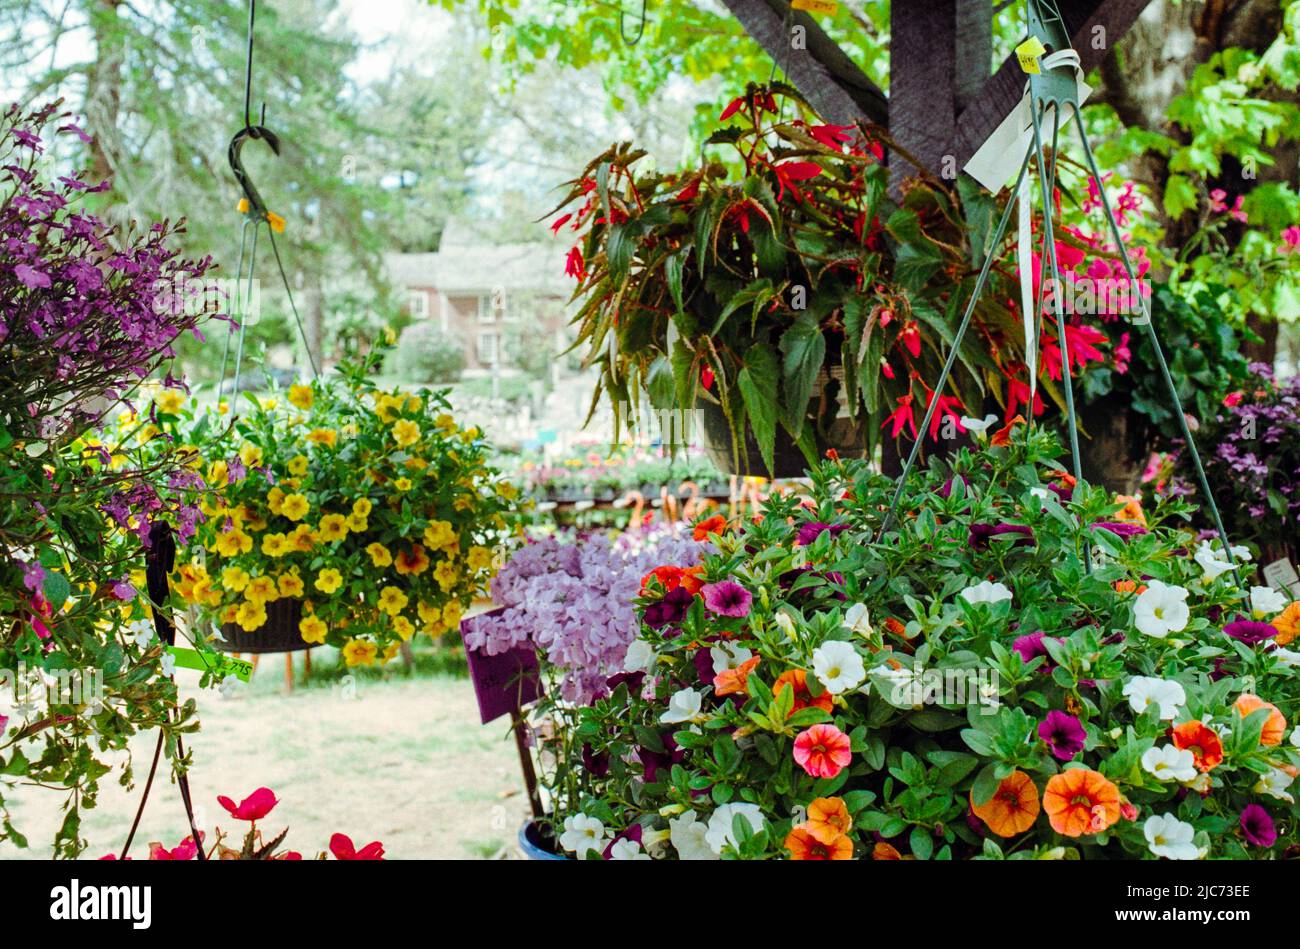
x=229 y=685
x=1143 y=691
x=688 y=838
x=978 y=426
x=640 y=656
x=142 y=632
x=168 y=664
x=684 y=706
x=719 y=833
x=1161 y=609
x=1275 y=783
x=1289 y=658
x=1209 y=561
x=986 y=592
x=857 y=621
x=1170 y=763
x=1295 y=737
x=627 y=850
x=729 y=657
x=904 y=686
x=1167 y=836
x=838 y=667
x=582 y=833
x=1043 y=494
x=1265 y=601
x=785 y=623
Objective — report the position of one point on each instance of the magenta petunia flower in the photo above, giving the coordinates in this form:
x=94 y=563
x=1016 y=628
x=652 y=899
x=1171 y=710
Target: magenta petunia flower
x=1250 y=632
x=1123 y=529
x=727 y=598
x=981 y=534
x=1258 y=826
x=1063 y=733
x=813 y=529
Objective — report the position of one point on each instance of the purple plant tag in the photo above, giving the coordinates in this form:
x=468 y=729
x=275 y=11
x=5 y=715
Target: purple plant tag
x=504 y=683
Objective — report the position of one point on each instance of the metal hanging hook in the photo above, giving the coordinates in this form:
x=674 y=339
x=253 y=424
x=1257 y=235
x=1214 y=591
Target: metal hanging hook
x=622 y=25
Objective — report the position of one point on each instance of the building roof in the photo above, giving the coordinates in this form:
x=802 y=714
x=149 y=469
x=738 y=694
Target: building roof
x=482 y=268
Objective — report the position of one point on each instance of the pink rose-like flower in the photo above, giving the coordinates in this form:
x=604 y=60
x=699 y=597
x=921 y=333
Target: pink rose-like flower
x=822 y=751
x=254 y=807
x=343 y=849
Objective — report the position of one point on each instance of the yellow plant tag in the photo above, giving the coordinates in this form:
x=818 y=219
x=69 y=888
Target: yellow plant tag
x=827 y=7
x=1028 y=53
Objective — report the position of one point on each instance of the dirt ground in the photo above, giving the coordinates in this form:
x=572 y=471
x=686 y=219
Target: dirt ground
x=403 y=761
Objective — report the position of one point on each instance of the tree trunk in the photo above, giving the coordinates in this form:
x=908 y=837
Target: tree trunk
x=104 y=86
x=313 y=318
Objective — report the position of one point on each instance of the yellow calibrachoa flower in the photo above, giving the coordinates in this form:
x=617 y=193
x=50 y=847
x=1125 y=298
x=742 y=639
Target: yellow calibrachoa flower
x=328 y=580
x=451 y=614
x=298 y=465
x=275 y=545
x=333 y=527
x=430 y=615
x=275 y=500
x=261 y=590
x=387 y=406
x=412 y=562
x=170 y=401
x=359 y=652
x=251 y=455
x=402 y=484
x=301 y=538
x=380 y=555
x=445 y=422
x=228 y=613
x=362 y=507
x=323 y=436
x=250 y=616
x=295 y=507
x=234 y=579
x=438 y=534
x=445 y=574
x=233 y=542
x=358 y=525
x=312 y=629
x=218 y=474
x=405 y=433
x=290 y=584
x=405 y=628
x=301 y=397
x=392 y=600
x=479 y=558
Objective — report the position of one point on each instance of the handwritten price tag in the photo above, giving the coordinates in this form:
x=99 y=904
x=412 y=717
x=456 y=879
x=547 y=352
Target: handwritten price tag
x=825 y=7
x=241 y=669
x=1028 y=52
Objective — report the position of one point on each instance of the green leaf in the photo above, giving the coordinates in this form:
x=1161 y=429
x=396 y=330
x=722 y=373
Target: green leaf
x=56 y=589
x=758 y=382
x=1180 y=196
x=804 y=349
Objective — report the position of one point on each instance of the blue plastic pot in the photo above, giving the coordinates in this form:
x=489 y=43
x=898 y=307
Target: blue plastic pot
x=531 y=843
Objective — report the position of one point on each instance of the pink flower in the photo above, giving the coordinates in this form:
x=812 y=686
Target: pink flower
x=343 y=849
x=727 y=598
x=1290 y=240
x=822 y=750
x=1233 y=399
x=254 y=807
x=185 y=850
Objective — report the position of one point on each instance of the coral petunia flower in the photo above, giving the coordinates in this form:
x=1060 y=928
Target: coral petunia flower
x=669 y=577
x=1003 y=435
x=1012 y=809
x=692 y=579
x=712 y=525
x=1274 y=726
x=884 y=851
x=828 y=819
x=254 y=807
x=822 y=751
x=804 y=846
x=797 y=679
x=729 y=681
x=1081 y=801
x=1202 y=741
x=414 y=561
x=1287 y=624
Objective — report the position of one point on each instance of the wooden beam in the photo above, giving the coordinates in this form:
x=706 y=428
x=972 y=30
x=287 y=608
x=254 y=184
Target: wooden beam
x=825 y=75
x=1095 y=27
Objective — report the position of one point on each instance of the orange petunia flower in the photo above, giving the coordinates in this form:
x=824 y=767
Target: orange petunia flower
x=669 y=578
x=1129 y=586
x=1132 y=510
x=735 y=680
x=828 y=819
x=804 y=846
x=692 y=579
x=884 y=851
x=1003 y=435
x=1202 y=741
x=895 y=626
x=1013 y=807
x=1080 y=801
x=797 y=679
x=711 y=525
x=414 y=561
x=1288 y=624
x=1274 y=727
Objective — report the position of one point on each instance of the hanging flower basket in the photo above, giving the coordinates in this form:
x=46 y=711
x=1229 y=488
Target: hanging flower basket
x=279 y=634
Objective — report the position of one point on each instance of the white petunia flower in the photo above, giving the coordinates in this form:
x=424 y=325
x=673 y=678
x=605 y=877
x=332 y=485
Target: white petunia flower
x=785 y=623
x=1210 y=562
x=719 y=833
x=986 y=592
x=1161 y=609
x=688 y=838
x=838 y=667
x=627 y=850
x=857 y=621
x=142 y=632
x=168 y=664
x=640 y=656
x=583 y=833
x=1170 y=763
x=1274 y=783
x=684 y=706
x=229 y=685
x=1144 y=691
x=729 y=657
x=1265 y=601
x=978 y=426
x=1167 y=836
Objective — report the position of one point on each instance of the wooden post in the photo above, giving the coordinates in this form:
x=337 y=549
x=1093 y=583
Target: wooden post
x=526 y=764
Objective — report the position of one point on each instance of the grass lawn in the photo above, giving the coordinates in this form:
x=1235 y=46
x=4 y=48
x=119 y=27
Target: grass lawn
x=398 y=758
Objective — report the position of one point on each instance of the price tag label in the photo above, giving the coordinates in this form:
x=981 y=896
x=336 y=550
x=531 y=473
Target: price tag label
x=1281 y=576
x=241 y=669
x=824 y=7
x=1028 y=52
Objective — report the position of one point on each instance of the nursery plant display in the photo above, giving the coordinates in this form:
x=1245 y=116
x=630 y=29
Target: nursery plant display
x=962 y=687
x=355 y=515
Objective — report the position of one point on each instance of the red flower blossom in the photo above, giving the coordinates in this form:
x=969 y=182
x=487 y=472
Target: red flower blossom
x=254 y=807
x=900 y=417
x=343 y=849
x=560 y=222
x=788 y=172
x=574 y=265
x=832 y=136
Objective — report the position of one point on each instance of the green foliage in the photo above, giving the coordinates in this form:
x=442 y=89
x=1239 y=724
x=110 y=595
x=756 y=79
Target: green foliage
x=425 y=354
